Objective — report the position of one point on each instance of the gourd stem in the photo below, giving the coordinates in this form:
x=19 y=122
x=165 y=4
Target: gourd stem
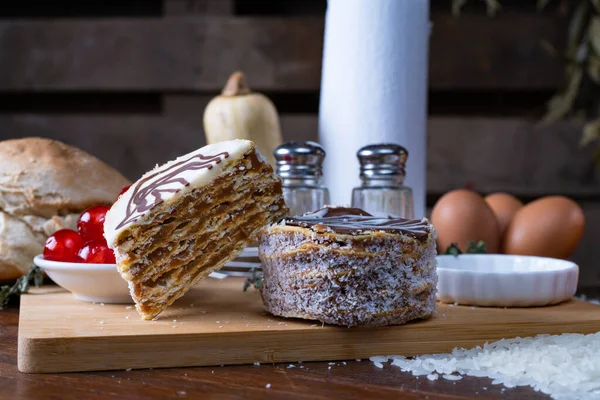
x=236 y=85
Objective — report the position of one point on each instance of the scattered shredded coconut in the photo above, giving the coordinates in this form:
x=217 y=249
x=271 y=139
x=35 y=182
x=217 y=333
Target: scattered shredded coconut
x=128 y=369
x=583 y=297
x=563 y=366
x=379 y=359
x=452 y=377
x=268 y=386
x=102 y=304
x=181 y=393
x=291 y=366
x=256 y=363
x=101 y=322
x=128 y=307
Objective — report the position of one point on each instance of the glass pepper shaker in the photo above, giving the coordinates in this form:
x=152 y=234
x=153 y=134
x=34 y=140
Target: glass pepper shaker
x=299 y=164
x=382 y=172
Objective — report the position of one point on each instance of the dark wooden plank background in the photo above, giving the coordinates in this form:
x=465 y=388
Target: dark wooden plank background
x=281 y=54
x=128 y=81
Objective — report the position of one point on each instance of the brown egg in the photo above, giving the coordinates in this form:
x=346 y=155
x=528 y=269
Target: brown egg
x=549 y=227
x=462 y=215
x=504 y=206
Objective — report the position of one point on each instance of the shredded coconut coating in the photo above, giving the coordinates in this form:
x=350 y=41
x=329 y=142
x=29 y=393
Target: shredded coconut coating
x=371 y=279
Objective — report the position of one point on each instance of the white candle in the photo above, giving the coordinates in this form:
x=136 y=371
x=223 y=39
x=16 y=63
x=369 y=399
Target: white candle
x=374 y=88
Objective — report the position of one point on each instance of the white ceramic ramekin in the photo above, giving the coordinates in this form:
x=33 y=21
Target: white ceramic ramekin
x=505 y=280
x=99 y=283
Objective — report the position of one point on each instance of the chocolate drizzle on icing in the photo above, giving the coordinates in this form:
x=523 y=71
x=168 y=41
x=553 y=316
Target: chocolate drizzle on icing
x=354 y=221
x=148 y=191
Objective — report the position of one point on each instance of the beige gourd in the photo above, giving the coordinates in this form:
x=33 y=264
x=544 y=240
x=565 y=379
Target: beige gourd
x=239 y=113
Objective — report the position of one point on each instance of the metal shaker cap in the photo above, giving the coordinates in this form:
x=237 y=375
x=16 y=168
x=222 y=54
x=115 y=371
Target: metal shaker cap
x=382 y=160
x=299 y=160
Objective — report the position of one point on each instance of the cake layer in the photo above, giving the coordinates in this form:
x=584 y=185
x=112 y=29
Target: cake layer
x=202 y=222
x=183 y=229
x=152 y=297
x=250 y=217
x=197 y=241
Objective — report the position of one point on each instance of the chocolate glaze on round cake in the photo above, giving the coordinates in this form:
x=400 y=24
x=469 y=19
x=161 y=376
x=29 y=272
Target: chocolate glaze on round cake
x=346 y=267
x=353 y=221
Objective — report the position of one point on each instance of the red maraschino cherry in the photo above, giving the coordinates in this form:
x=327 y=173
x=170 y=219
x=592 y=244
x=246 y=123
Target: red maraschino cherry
x=63 y=245
x=125 y=188
x=97 y=253
x=91 y=224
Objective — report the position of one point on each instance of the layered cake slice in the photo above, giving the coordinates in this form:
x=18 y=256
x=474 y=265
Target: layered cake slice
x=346 y=267
x=185 y=219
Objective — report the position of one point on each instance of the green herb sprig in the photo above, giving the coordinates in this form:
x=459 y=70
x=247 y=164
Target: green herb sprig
x=20 y=286
x=471 y=248
x=255 y=280
x=578 y=95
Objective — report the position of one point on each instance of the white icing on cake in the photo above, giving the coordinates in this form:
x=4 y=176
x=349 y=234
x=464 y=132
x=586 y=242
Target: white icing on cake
x=168 y=182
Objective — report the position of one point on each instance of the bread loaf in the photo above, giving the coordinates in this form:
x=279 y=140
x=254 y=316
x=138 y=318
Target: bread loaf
x=44 y=186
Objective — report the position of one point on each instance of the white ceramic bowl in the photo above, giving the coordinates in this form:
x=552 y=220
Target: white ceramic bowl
x=99 y=283
x=499 y=280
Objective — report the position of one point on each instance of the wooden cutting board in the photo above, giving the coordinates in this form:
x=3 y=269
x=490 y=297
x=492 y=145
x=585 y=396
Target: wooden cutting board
x=217 y=323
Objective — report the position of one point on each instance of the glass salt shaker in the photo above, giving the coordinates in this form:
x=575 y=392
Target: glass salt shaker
x=299 y=164
x=382 y=172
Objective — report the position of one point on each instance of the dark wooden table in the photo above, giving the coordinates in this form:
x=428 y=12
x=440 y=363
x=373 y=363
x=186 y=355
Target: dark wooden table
x=352 y=379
